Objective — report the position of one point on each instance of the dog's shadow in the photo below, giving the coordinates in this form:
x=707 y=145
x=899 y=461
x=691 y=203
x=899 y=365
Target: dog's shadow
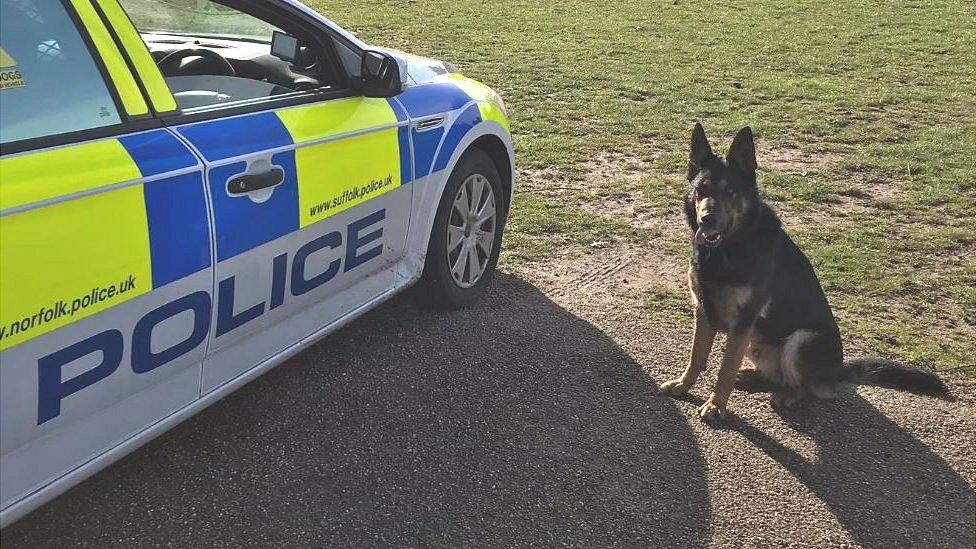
x=887 y=488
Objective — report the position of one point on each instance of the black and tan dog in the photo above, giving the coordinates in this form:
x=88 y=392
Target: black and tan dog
x=749 y=280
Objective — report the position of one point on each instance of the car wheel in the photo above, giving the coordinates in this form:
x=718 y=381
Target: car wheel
x=466 y=235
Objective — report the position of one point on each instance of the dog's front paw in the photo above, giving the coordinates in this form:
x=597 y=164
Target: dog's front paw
x=711 y=412
x=675 y=387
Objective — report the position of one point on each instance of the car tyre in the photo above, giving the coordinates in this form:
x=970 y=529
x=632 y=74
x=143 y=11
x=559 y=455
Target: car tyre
x=471 y=214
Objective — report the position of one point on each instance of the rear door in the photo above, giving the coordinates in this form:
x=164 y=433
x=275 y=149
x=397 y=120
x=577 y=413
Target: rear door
x=105 y=256
x=308 y=183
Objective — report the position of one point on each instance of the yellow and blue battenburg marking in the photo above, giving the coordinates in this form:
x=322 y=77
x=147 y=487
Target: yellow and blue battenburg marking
x=72 y=246
x=334 y=156
x=487 y=99
x=432 y=149
x=125 y=85
x=145 y=66
x=89 y=226
x=176 y=206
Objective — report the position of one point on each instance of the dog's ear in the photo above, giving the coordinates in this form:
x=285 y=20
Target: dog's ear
x=742 y=153
x=700 y=150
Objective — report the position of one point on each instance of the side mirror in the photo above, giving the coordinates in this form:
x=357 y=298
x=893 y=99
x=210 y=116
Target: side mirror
x=379 y=75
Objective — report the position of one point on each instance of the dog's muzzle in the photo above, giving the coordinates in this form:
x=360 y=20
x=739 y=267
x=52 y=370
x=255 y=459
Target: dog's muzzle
x=708 y=238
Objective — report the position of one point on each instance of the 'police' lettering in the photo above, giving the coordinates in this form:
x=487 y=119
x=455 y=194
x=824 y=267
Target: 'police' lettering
x=301 y=285
x=279 y=266
x=354 y=241
x=50 y=387
x=226 y=319
x=143 y=359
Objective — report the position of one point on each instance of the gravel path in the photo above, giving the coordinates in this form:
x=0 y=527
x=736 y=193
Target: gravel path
x=524 y=421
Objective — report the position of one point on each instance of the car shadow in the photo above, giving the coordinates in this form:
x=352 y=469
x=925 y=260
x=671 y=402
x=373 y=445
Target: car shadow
x=886 y=488
x=510 y=423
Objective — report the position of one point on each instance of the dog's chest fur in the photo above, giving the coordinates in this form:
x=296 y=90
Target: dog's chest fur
x=723 y=303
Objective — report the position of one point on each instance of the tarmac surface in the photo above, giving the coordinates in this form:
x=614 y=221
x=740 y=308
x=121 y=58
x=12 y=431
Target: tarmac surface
x=526 y=422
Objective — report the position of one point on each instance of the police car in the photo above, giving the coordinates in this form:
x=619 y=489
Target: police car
x=191 y=191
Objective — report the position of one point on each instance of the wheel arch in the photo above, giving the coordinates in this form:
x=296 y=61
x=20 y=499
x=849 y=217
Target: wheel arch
x=495 y=148
x=487 y=136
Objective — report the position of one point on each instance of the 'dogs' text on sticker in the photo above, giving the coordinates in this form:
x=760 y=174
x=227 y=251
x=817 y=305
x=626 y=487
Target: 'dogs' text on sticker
x=10 y=76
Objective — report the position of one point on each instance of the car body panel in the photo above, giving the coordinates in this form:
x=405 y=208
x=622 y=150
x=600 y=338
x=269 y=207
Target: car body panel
x=160 y=97
x=284 y=249
x=123 y=81
x=96 y=268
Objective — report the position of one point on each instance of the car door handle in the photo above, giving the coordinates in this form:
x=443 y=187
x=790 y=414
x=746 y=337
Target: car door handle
x=246 y=183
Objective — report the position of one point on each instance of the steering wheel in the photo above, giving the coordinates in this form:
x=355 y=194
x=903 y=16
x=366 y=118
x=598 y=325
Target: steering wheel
x=169 y=65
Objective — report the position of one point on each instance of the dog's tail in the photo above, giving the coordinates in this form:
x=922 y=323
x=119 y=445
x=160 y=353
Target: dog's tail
x=894 y=375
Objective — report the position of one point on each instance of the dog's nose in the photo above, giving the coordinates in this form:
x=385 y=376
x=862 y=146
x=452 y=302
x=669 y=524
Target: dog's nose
x=708 y=220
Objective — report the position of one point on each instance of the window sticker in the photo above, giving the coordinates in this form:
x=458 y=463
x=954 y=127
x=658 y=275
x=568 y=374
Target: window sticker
x=50 y=84
x=10 y=75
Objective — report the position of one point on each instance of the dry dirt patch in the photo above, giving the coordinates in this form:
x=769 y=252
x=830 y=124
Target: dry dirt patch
x=619 y=271
x=846 y=213
x=796 y=161
x=612 y=187
x=610 y=273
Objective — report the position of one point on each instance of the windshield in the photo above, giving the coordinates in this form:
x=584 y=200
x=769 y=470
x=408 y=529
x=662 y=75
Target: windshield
x=196 y=18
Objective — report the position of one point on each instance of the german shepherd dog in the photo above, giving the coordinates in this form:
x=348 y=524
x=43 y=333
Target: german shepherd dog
x=750 y=281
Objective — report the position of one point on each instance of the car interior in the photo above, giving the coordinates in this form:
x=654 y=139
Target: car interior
x=204 y=71
x=206 y=64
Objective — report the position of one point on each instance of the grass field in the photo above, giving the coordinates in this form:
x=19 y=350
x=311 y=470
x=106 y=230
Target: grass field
x=864 y=113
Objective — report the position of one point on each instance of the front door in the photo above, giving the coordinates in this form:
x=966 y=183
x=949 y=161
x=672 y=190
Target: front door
x=310 y=208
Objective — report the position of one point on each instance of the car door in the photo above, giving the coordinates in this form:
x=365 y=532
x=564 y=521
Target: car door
x=105 y=256
x=309 y=189
x=318 y=237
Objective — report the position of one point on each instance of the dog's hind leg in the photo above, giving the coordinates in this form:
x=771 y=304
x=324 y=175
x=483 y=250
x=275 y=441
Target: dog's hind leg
x=787 y=397
x=763 y=376
x=810 y=365
x=751 y=380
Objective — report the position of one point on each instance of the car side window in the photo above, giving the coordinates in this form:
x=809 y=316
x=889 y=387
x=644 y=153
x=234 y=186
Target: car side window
x=213 y=55
x=49 y=83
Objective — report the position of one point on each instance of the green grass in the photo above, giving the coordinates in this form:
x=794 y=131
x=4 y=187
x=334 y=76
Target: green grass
x=885 y=87
x=542 y=225
x=659 y=297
